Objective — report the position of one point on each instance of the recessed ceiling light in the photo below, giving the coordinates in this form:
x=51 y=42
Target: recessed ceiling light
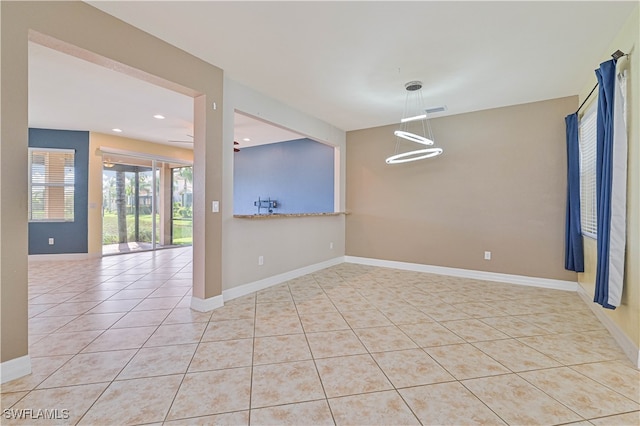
x=246 y=139
x=159 y=116
x=117 y=130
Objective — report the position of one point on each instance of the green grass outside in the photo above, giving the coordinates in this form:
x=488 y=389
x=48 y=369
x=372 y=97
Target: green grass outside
x=182 y=229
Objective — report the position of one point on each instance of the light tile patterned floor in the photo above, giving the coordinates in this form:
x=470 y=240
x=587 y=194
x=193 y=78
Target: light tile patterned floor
x=113 y=341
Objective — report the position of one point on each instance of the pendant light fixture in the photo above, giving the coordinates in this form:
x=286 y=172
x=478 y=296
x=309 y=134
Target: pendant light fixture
x=414 y=127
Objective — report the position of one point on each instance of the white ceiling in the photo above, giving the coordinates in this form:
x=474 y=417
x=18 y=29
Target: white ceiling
x=251 y=131
x=69 y=93
x=343 y=62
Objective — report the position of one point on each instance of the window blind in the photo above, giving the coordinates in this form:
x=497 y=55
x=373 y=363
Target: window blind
x=51 y=184
x=588 y=207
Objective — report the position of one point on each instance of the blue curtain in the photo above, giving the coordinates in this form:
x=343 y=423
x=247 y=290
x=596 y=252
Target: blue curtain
x=573 y=252
x=606 y=75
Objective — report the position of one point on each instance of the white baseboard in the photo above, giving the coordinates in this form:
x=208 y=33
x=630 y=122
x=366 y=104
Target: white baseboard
x=245 y=289
x=60 y=257
x=206 y=305
x=468 y=273
x=15 y=368
x=626 y=344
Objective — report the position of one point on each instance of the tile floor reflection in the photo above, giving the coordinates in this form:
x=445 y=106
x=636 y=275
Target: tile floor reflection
x=113 y=341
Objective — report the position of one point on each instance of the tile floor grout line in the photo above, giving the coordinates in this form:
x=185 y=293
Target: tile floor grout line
x=196 y=417
x=551 y=396
x=395 y=388
x=253 y=352
x=474 y=344
x=184 y=375
x=555 y=399
x=460 y=382
x=613 y=415
x=408 y=406
x=600 y=382
x=315 y=364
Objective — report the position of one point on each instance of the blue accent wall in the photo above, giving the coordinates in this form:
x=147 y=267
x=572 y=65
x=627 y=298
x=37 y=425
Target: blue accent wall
x=70 y=237
x=299 y=174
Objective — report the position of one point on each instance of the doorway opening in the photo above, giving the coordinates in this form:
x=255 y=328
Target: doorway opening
x=147 y=204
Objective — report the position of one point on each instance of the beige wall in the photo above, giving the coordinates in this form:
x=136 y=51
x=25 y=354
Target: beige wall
x=627 y=316
x=286 y=243
x=13 y=198
x=500 y=186
x=100 y=140
x=77 y=28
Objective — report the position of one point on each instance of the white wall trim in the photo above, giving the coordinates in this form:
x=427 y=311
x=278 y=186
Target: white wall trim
x=15 y=368
x=61 y=257
x=249 y=288
x=468 y=273
x=628 y=346
x=206 y=305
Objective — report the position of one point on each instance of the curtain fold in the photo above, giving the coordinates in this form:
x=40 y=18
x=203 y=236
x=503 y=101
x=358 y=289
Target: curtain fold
x=573 y=254
x=610 y=169
x=618 y=233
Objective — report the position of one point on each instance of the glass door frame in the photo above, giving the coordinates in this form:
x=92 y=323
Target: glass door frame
x=110 y=155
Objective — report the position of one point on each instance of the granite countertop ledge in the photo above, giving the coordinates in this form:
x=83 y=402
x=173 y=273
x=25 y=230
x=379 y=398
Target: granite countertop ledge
x=281 y=215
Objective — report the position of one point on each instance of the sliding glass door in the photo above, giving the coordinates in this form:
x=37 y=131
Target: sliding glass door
x=147 y=204
x=182 y=205
x=145 y=208
x=130 y=194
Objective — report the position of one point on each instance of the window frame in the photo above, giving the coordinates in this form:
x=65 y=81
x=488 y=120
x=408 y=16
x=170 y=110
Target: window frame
x=48 y=184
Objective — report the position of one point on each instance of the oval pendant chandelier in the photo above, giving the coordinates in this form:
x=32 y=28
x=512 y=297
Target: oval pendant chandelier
x=414 y=127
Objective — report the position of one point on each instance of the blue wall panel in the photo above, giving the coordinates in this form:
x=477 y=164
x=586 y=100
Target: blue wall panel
x=298 y=174
x=69 y=237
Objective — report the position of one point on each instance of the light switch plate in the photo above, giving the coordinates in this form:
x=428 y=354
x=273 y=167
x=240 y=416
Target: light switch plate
x=215 y=206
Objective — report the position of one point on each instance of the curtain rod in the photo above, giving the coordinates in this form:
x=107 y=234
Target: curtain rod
x=587 y=98
x=615 y=55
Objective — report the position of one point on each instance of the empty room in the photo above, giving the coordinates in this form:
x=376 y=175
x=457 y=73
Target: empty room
x=305 y=213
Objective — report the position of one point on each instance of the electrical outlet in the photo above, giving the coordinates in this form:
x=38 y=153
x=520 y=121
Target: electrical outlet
x=487 y=255
x=260 y=260
x=51 y=241
x=331 y=245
